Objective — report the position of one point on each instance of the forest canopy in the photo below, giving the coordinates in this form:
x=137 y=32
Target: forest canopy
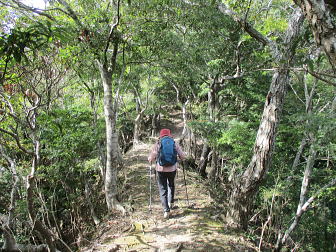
x=83 y=82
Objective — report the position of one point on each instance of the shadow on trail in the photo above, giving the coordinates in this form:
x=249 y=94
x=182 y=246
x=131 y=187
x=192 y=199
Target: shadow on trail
x=191 y=227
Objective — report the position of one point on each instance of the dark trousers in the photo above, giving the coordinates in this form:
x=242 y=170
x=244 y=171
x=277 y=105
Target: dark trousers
x=166 y=185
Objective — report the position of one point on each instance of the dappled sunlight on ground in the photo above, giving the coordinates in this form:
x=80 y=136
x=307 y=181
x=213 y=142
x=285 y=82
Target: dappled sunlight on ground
x=192 y=225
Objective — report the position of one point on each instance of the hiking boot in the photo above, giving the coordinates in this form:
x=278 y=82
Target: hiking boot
x=166 y=215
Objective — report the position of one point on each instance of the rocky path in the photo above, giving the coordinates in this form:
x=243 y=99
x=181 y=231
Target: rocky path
x=193 y=225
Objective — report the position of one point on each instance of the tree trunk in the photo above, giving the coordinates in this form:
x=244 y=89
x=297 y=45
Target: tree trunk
x=137 y=128
x=301 y=211
x=246 y=187
x=214 y=166
x=36 y=223
x=100 y=149
x=320 y=16
x=140 y=109
x=185 y=118
x=155 y=124
x=15 y=188
x=9 y=239
x=112 y=146
x=308 y=170
x=137 y=122
x=213 y=100
x=303 y=195
x=9 y=227
x=89 y=202
x=298 y=154
x=212 y=111
x=204 y=160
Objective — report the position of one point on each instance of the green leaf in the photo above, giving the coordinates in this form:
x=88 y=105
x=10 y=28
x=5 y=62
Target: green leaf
x=17 y=56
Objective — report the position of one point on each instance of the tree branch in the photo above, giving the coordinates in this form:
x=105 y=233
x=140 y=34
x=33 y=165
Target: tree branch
x=70 y=12
x=303 y=209
x=17 y=140
x=245 y=25
x=21 y=5
x=317 y=76
x=110 y=36
x=323 y=25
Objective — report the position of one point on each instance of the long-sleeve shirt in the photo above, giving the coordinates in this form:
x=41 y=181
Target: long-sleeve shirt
x=154 y=154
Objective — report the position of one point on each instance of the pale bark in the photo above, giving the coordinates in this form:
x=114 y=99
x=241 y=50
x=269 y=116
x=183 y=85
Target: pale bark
x=138 y=118
x=244 y=24
x=185 y=117
x=25 y=118
x=300 y=211
x=247 y=185
x=299 y=153
x=35 y=222
x=107 y=65
x=184 y=103
x=137 y=129
x=37 y=225
x=15 y=188
x=303 y=202
x=112 y=146
x=312 y=152
x=177 y=94
x=137 y=124
x=323 y=25
x=303 y=193
x=304 y=141
x=8 y=227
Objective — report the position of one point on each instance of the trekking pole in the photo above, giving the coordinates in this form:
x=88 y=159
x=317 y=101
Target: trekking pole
x=150 y=187
x=185 y=182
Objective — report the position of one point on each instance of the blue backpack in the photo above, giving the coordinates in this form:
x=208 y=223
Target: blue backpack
x=167 y=152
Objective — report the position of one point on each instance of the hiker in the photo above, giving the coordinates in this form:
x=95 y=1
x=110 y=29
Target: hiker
x=166 y=169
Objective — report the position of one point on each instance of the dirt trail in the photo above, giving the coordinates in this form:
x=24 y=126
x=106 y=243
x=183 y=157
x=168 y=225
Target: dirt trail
x=191 y=227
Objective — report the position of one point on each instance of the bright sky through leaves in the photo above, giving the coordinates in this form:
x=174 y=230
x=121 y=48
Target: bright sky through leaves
x=35 y=3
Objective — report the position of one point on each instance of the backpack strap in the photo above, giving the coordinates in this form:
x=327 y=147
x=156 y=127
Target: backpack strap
x=158 y=149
